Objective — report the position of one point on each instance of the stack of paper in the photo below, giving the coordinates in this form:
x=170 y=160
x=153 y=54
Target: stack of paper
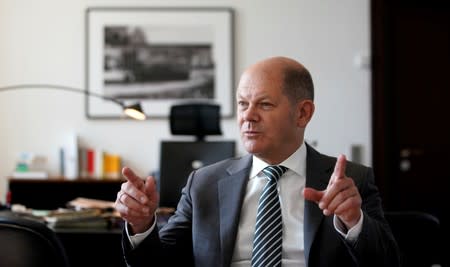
x=76 y=219
x=90 y=203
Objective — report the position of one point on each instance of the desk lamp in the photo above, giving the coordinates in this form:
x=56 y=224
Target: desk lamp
x=133 y=111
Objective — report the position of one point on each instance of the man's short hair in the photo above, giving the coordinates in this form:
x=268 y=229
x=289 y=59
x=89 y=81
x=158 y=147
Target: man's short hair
x=298 y=84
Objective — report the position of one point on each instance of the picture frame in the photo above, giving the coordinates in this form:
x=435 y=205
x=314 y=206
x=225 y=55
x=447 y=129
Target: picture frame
x=158 y=57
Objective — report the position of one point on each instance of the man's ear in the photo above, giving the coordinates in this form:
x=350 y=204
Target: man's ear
x=305 y=112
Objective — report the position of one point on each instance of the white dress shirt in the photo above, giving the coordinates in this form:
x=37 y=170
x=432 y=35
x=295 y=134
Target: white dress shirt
x=290 y=187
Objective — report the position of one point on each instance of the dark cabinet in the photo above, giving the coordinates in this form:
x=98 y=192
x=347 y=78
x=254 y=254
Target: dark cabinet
x=55 y=193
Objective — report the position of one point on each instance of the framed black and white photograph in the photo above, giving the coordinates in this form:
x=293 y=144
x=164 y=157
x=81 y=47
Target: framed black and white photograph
x=158 y=57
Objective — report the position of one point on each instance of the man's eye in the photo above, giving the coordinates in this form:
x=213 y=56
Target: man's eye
x=242 y=104
x=266 y=105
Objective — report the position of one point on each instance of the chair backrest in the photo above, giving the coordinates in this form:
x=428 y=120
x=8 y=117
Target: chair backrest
x=418 y=237
x=29 y=243
x=196 y=119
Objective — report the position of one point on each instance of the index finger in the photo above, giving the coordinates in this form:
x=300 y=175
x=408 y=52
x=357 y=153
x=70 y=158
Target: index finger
x=339 y=168
x=132 y=177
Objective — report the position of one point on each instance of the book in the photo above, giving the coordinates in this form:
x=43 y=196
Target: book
x=98 y=163
x=66 y=218
x=111 y=166
x=80 y=223
x=90 y=162
x=69 y=157
x=30 y=175
x=70 y=214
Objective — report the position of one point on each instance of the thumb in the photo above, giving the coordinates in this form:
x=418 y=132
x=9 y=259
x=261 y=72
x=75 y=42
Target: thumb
x=150 y=189
x=312 y=194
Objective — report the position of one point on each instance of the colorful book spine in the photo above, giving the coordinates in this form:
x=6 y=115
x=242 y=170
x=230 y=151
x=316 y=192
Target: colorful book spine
x=111 y=166
x=90 y=164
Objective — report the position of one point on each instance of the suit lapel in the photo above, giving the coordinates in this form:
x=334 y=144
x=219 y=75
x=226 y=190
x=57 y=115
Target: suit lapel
x=231 y=194
x=232 y=191
x=317 y=176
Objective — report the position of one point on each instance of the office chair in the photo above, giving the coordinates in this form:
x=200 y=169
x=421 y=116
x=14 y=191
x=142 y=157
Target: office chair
x=195 y=119
x=417 y=234
x=179 y=158
x=29 y=243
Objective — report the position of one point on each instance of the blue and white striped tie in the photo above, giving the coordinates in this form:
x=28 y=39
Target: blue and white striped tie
x=267 y=242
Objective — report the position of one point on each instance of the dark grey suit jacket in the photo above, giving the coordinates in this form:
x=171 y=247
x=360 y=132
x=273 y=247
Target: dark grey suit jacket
x=203 y=230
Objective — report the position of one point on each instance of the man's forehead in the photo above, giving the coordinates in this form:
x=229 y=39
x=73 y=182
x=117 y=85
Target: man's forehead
x=259 y=80
x=255 y=92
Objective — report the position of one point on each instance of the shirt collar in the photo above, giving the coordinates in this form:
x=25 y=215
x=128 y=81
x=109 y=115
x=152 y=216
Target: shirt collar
x=295 y=162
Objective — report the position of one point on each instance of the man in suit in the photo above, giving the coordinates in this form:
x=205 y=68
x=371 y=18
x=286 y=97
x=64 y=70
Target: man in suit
x=331 y=209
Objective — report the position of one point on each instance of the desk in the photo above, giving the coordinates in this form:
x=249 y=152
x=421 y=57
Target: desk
x=86 y=247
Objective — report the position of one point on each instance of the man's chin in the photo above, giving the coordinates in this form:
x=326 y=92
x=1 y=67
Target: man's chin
x=252 y=147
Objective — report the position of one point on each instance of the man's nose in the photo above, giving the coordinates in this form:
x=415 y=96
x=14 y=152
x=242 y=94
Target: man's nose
x=251 y=113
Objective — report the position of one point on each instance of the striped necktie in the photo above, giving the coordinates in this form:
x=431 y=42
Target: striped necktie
x=269 y=225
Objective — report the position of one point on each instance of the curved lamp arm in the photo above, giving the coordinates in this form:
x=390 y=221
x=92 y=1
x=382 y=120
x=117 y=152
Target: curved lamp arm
x=134 y=111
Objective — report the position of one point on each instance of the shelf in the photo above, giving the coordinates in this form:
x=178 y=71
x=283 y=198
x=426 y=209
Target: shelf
x=55 y=193
x=65 y=180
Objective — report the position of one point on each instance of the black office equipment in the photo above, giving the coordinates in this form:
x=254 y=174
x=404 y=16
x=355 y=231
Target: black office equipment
x=25 y=242
x=179 y=158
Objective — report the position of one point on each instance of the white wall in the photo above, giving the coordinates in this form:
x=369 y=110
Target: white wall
x=43 y=42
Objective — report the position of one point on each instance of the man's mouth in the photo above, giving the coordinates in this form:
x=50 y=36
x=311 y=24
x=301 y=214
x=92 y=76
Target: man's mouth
x=251 y=133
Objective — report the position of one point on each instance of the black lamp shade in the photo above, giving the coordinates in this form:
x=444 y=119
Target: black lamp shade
x=135 y=111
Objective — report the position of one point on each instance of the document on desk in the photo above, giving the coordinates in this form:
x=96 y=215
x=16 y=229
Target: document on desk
x=88 y=218
x=90 y=203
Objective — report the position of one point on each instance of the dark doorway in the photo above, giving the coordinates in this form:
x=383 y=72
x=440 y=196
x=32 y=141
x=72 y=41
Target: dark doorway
x=411 y=95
